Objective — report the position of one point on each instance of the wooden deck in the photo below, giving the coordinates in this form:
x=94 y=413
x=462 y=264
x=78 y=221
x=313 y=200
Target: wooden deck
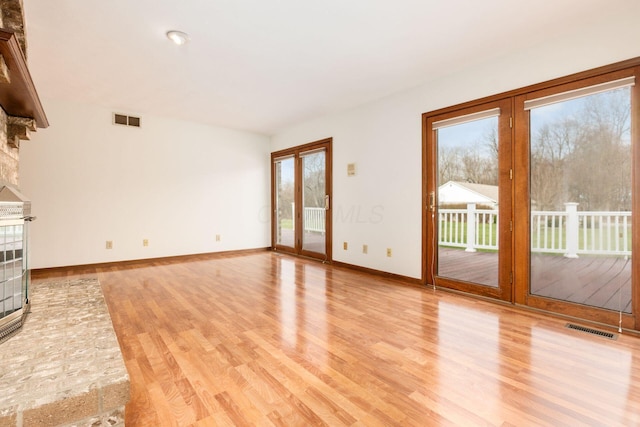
x=476 y=267
x=595 y=281
x=314 y=242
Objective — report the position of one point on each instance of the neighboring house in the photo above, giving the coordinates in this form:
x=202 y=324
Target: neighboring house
x=461 y=193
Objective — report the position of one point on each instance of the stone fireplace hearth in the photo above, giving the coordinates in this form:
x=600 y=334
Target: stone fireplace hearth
x=64 y=368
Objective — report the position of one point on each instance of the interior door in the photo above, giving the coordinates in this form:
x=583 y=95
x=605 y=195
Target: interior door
x=469 y=192
x=301 y=199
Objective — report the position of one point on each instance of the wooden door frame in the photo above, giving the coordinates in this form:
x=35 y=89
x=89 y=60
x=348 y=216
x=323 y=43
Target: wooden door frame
x=505 y=135
x=520 y=200
x=522 y=254
x=327 y=145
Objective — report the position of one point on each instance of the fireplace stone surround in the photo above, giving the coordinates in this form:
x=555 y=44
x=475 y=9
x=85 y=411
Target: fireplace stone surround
x=21 y=113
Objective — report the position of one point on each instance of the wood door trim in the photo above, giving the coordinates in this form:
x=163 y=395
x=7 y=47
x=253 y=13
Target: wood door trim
x=576 y=310
x=635 y=198
x=505 y=164
x=522 y=254
x=520 y=187
x=325 y=144
x=595 y=72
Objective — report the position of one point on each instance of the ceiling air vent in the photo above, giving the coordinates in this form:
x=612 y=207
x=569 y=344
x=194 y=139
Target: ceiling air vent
x=121 y=119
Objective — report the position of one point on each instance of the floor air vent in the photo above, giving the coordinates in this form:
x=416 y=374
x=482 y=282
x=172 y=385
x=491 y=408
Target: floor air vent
x=604 y=334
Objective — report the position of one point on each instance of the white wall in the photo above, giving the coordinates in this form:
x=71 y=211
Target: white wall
x=179 y=184
x=175 y=183
x=381 y=205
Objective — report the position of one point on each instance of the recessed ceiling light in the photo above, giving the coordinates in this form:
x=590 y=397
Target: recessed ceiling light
x=178 y=37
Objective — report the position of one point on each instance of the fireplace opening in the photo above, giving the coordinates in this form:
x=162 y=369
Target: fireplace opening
x=15 y=215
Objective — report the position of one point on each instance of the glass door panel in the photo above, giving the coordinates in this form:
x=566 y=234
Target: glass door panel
x=314 y=201
x=300 y=196
x=581 y=188
x=468 y=201
x=284 y=170
x=469 y=241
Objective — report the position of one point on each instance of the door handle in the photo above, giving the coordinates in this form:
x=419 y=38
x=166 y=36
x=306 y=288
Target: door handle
x=326 y=202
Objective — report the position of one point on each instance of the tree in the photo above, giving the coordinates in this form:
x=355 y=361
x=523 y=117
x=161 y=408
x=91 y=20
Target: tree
x=600 y=172
x=475 y=161
x=314 y=179
x=549 y=149
x=285 y=193
x=582 y=153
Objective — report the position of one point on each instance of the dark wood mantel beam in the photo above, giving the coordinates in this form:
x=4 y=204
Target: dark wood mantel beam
x=19 y=97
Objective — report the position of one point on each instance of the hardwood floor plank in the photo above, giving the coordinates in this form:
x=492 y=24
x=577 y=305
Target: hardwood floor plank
x=140 y=410
x=297 y=380
x=239 y=409
x=162 y=406
x=265 y=339
x=206 y=422
x=191 y=399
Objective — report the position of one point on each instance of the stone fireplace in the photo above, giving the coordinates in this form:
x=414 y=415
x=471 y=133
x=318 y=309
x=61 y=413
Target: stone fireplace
x=20 y=114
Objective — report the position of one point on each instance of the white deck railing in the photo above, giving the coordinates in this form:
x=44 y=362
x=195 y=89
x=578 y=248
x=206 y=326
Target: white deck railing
x=481 y=232
x=567 y=232
x=313 y=219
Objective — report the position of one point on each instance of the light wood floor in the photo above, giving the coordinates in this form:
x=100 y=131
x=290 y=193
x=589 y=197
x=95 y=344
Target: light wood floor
x=267 y=339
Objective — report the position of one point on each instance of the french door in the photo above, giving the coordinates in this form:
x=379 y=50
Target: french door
x=531 y=197
x=468 y=199
x=579 y=157
x=301 y=200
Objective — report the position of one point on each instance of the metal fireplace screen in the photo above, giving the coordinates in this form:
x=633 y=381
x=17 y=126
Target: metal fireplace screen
x=15 y=213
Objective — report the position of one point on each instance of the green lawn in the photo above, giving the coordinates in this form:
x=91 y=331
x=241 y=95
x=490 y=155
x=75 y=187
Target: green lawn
x=286 y=223
x=488 y=230
x=592 y=241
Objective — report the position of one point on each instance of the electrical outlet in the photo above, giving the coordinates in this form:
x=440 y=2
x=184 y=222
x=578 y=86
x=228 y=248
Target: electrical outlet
x=365 y=249
x=344 y=246
x=145 y=242
x=389 y=252
x=109 y=244
x=217 y=237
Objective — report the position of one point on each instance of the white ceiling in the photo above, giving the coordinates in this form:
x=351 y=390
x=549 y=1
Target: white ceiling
x=262 y=65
